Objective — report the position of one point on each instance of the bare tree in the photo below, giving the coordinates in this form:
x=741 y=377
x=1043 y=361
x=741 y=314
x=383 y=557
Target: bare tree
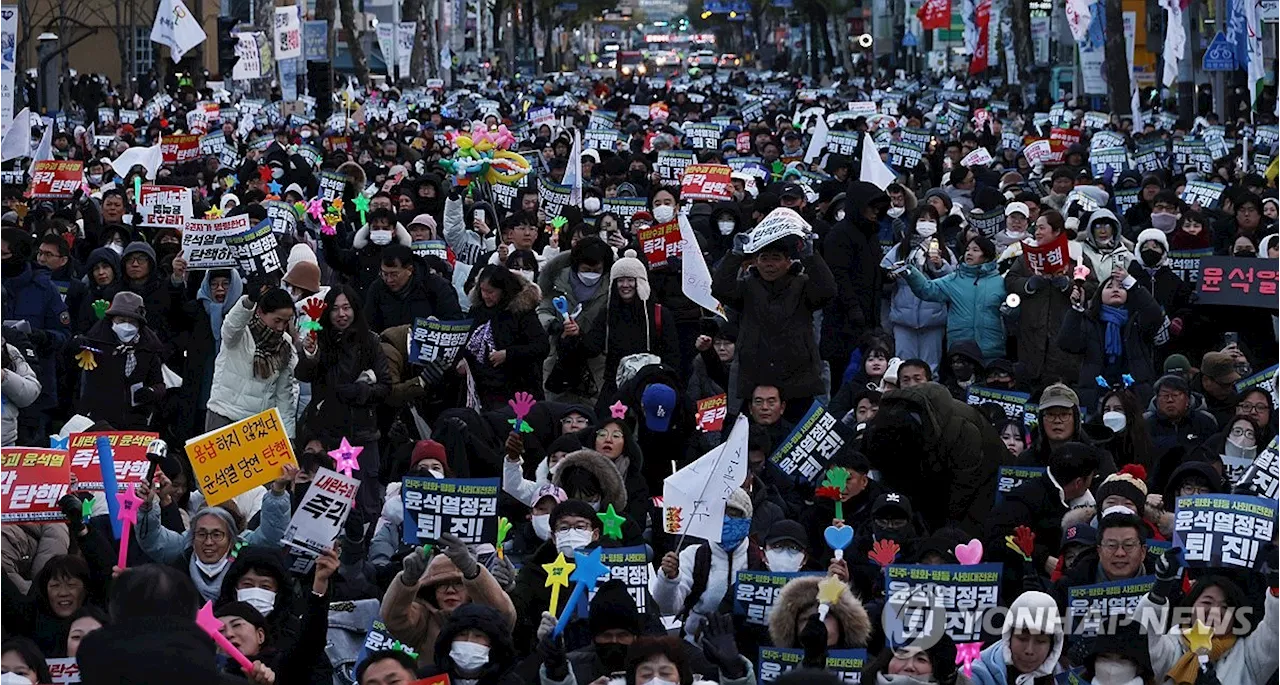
x=1022 y=49
x=1116 y=69
x=359 y=61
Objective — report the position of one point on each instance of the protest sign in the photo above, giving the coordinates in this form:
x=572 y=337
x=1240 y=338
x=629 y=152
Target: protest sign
x=1011 y=477
x=213 y=143
x=779 y=224
x=629 y=565
x=1068 y=136
x=239 y=457
x=56 y=180
x=1092 y=609
x=1038 y=152
x=1095 y=121
x=320 y=515
x=465 y=507
x=706 y=182
x=1125 y=199
x=979 y=157
x=128 y=452
x=755 y=593
x=1150 y=156
x=202 y=243
x=915 y=136
x=331 y=185
x=254 y=249
x=31 y=483
x=624 y=207
x=904 y=155
x=1239 y=281
x=1191 y=154
x=810 y=445
x=1223 y=530
x=1264 y=379
x=711 y=412
x=843 y=143
x=1048 y=259
x=165 y=206
x=431 y=248
x=702 y=135
x=671 y=164
x=845 y=664
x=1261 y=477
x=963 y=592
x=1013 y=403
x=1112 y=160
x=660 y=242
x=1186 y=263
x=377 y=639
x=553 y=196
x=1103 y=140
x=541 y=116
x=1204 y=193
x=601 y=139
x=988 y=223
x=64 y=670
x=180 y=149
x=283 y=217
x=437 y=341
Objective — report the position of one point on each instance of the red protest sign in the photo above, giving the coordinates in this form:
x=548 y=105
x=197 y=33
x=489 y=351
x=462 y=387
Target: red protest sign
x=707 y=182
x=1049 y=259
x=31 y=484
x=660 y=242
x=659 y=111
x=56 y=180
x=1068 y=136
x=339 y=143
x=711 y=412
x=128 y=451
x=743 y=142
x=180 y=148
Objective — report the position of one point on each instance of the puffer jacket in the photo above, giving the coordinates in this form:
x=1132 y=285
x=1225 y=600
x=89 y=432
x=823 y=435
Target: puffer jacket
x=1251 y=660
x=1040 y=317
x=106 y=391
x=553 y=280
x=19 y=389
x=907 y=309
x=515 y=328
x=801 y=593
x=237 y=392
x=28 y=547
x=1106 y=258
x=974 y=295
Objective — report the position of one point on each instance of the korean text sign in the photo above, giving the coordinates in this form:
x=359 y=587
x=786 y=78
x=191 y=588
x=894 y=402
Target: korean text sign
x=321 y=512
x=755 y=593
x=31 y=483
x=707 y=182
x=846 y=664
x=1240 y=281
x=437 y=341
x=964 y=593
x=128 y=451
x=165 y=206
x=202 y=243
x=55 y=180
x=465 y=507
x=660 y=242
x=239 y=457
x=1090 y=607
x=811 y=444
x=1225 y=531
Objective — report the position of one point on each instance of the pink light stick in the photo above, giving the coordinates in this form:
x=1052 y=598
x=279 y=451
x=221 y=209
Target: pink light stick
x=127 y=513
x=213 y=627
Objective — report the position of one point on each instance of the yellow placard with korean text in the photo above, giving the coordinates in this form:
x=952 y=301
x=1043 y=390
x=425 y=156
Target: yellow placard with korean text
x=242 y=456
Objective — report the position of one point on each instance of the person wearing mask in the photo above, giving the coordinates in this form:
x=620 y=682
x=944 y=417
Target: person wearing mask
x=918 y=324
x=120 y=358
x=1115 y=335
x=853 y=252
x=1016 y=221
x=1130 y=442
x=530 y=534
x=507 y=345
x=32 y=298
x=1030 y=645
x=910 y=665
x=1121 y=659
x=425 y=593
x=973 y=293
x=405 y=291
x=142 y=275
x=1151 y=270
x=474 y=646
x=23 y=659
x=253 y=371
x=1102 y=243
x=574 y=527
x=1165 y=212
x=578 y=278
x=362 y=262
x=349 y=378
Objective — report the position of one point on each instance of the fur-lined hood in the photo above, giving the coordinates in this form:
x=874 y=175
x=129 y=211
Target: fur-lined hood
x=355 y=174
x=800 y=594
x=526 y=300
x=401 y=235
x=613 y=489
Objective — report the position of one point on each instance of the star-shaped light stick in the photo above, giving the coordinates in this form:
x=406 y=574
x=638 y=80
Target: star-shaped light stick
x=315 y=208
x=127 y=513
x=274 y=187
x=612 y=523
x=618 y=410
x=586 y=575
x=557 y=577
x=1200 y=640
x=213 y=628
x=346 y=457
x=829 y=590
x=362 y=205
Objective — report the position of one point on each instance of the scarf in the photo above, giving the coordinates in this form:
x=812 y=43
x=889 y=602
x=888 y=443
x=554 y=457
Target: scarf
x=209 y=587
x=271 y=350
x=1115 y=318
x=1187 y=668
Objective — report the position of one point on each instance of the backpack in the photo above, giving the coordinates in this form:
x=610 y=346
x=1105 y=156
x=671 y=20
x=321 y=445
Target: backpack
x=631 y=364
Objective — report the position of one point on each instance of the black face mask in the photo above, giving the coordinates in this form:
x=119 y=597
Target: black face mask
x=1248 y=254
x=613 y=655
x=11 y=267
x=963 y=370
x=1151 y=258
x=636 y=176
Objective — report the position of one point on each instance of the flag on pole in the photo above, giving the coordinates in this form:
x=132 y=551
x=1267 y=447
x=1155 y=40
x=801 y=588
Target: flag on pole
x=1175 y=40
x=44 y=150
x=934 y=14
x=17 y=138
x=818 y=140
x=695 y=277
x=148 y=157
x=874 y=170
x=176 y=27
x=573 y=173
x=1079 y=17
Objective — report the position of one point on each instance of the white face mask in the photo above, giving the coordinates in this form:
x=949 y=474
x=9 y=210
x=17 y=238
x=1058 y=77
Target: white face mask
x=1115 y=420
x=664 y=213
x=1113 y=672
x=436 y=473
x=591 y=205
x=726 y=227
x=542 y=526
x=660 y=681
x=213 y=569
x=258 y=598
x=926 y=228
x=526 y=275
x=469 y=657
x=571 y=540
x=126 y=332
x=117 y=247
x=380 y=237
x=896 y=212
x=589 y=277
x=839 y=215
x=784 y=560
x=305 y=133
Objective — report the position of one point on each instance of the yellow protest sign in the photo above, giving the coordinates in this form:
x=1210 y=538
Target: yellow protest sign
x=242 y=456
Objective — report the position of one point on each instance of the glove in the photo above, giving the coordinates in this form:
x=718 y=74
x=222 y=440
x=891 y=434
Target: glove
x=257 y=285
x=38 y=338
x=144 y=395
x=414 y=566
x=1168 y=569
x=1175 y=325
x=73 y=510
x=546 y=624
x=720 y=645
x=431 y=374
x=813 y=638
x=1061 y=282
x=740 y=243
x=1035 y=283
x=551 y=649
x=461 y=556
x=504 y=572
x=1023 y=541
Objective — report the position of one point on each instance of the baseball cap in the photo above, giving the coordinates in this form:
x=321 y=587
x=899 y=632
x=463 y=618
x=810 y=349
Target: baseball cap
x=1017 y=208
x=1059 y=395
x=891 y=500
x=786 y=530
x=791 y=189
x=555 y=492
x=1079 y=535
x=1219 y=366
x=659 y=402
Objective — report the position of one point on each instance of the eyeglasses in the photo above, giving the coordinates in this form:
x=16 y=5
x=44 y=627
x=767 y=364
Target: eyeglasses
x=1252 y=407
x=1128 y=545
x=581 y=528
x=616 y=435
x=1058 y=416
x=1192 y=489
x=1241 y=432
x=212 y=535
x=393 y=273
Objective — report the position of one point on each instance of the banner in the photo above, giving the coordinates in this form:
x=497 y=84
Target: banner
x=377 y=639
x=982 y=47
x=702 y=135
x=202 y=243
x=254 y=250
x=629 y=565
x=1048 y=259
x=1204 y=193
x=624 y=207
x=31 y=483
x=845 y=664
x=1089 y=606
x=315 y=40
x=465 y=507
x=553 y=196
x=710 y=414
x=1013 y=403
x=671 y=164
x=288 y=33
x=283 y=217
x=1011 y=477
x=1264 y=473
x=990 y=222
x=248 y=64
x=8 y=61
x=811 y=444
x=331 y=185
x=437 y=341
x=660 y=242
x=1224 y=531
x=320 y=515
x=165 y=206
x=1111 y=160
x=963 y=592
x=234 y=459
x=128 y=453
x=755 y=593
x=56 y=180
x=1239 y=281
x=181 y=148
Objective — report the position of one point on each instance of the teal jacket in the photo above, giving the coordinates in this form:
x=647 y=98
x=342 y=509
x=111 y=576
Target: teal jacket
x=974 y=294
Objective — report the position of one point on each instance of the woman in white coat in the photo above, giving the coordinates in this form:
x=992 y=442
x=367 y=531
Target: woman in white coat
x=19 y=387
x=254 y=368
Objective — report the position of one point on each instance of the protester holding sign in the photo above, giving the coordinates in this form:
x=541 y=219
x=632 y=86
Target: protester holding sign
x=507 y=346
x=120 y=358
x=253 y=371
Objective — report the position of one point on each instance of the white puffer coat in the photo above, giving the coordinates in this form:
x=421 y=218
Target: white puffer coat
x=237 y=393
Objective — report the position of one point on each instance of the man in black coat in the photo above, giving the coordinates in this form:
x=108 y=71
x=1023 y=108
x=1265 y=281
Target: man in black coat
x=406 y=291
x=852 y=252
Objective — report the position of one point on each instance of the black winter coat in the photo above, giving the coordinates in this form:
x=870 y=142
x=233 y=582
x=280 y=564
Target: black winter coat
x=1084 y=333
x=515 y=327
x=106 y=392
x=424 y=296
x=622 y=329
x=852 y=249
x=339 y=405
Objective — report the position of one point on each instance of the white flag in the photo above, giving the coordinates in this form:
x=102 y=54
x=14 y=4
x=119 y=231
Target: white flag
x=148 y=157
x=695 y=280
x=874 y=170
x=818 y=141
x=1253 y=35
x=573 y=173
x=44 y=150
x=176 y=27
x=693 y=498
x=1079 y=16
x=1175 y=41
x=17 y=138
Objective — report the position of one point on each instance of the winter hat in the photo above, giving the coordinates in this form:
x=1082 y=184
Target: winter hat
x=642 y=215
x=941 y=194
x=555 y=492
x=428 y=449
x=225 y=199
x=575 y=507
x=300 y=252
x=1153 y=234
x=613 y=608
x=138 y=246
x=1173 y=382
x=304 y=275
x=659 y=402
x=127 y=303
x=1038 y=613
x=630 y=267
x=295 y=188
x=1129 y=482
x=891 y=372
x=424 y=220
x=740 y=500
x=242 y=610
x=1174 y=363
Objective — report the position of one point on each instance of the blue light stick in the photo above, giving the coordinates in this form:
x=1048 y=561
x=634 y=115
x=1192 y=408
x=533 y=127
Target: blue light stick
x=586 y=574
x=107 y=463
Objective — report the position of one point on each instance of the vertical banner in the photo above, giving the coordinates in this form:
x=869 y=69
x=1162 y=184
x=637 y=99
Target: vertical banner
x=8 y=61
x=315 y=40
x=288 y=33
x=404 y=46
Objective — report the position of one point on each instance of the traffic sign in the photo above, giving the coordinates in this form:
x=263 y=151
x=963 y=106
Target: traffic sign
x=909 y=40
x=1220 y=55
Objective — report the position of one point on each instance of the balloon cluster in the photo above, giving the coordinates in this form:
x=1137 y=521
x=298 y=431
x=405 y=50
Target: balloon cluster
x=485 y=153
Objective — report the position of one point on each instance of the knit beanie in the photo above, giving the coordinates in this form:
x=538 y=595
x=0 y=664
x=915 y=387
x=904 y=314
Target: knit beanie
x=241 y=610
x=613 y=608
x=1153 y=234
x=1129 y=482
x=630 y=267
x=300 y=252
x=575 y=507
x=428 y=449
x=740 y=500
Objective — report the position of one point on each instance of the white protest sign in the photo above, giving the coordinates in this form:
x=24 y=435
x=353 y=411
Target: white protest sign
x=202 y=243
x=979 y=157
x=779 y=223
x=320 y=515
x=693 y=498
